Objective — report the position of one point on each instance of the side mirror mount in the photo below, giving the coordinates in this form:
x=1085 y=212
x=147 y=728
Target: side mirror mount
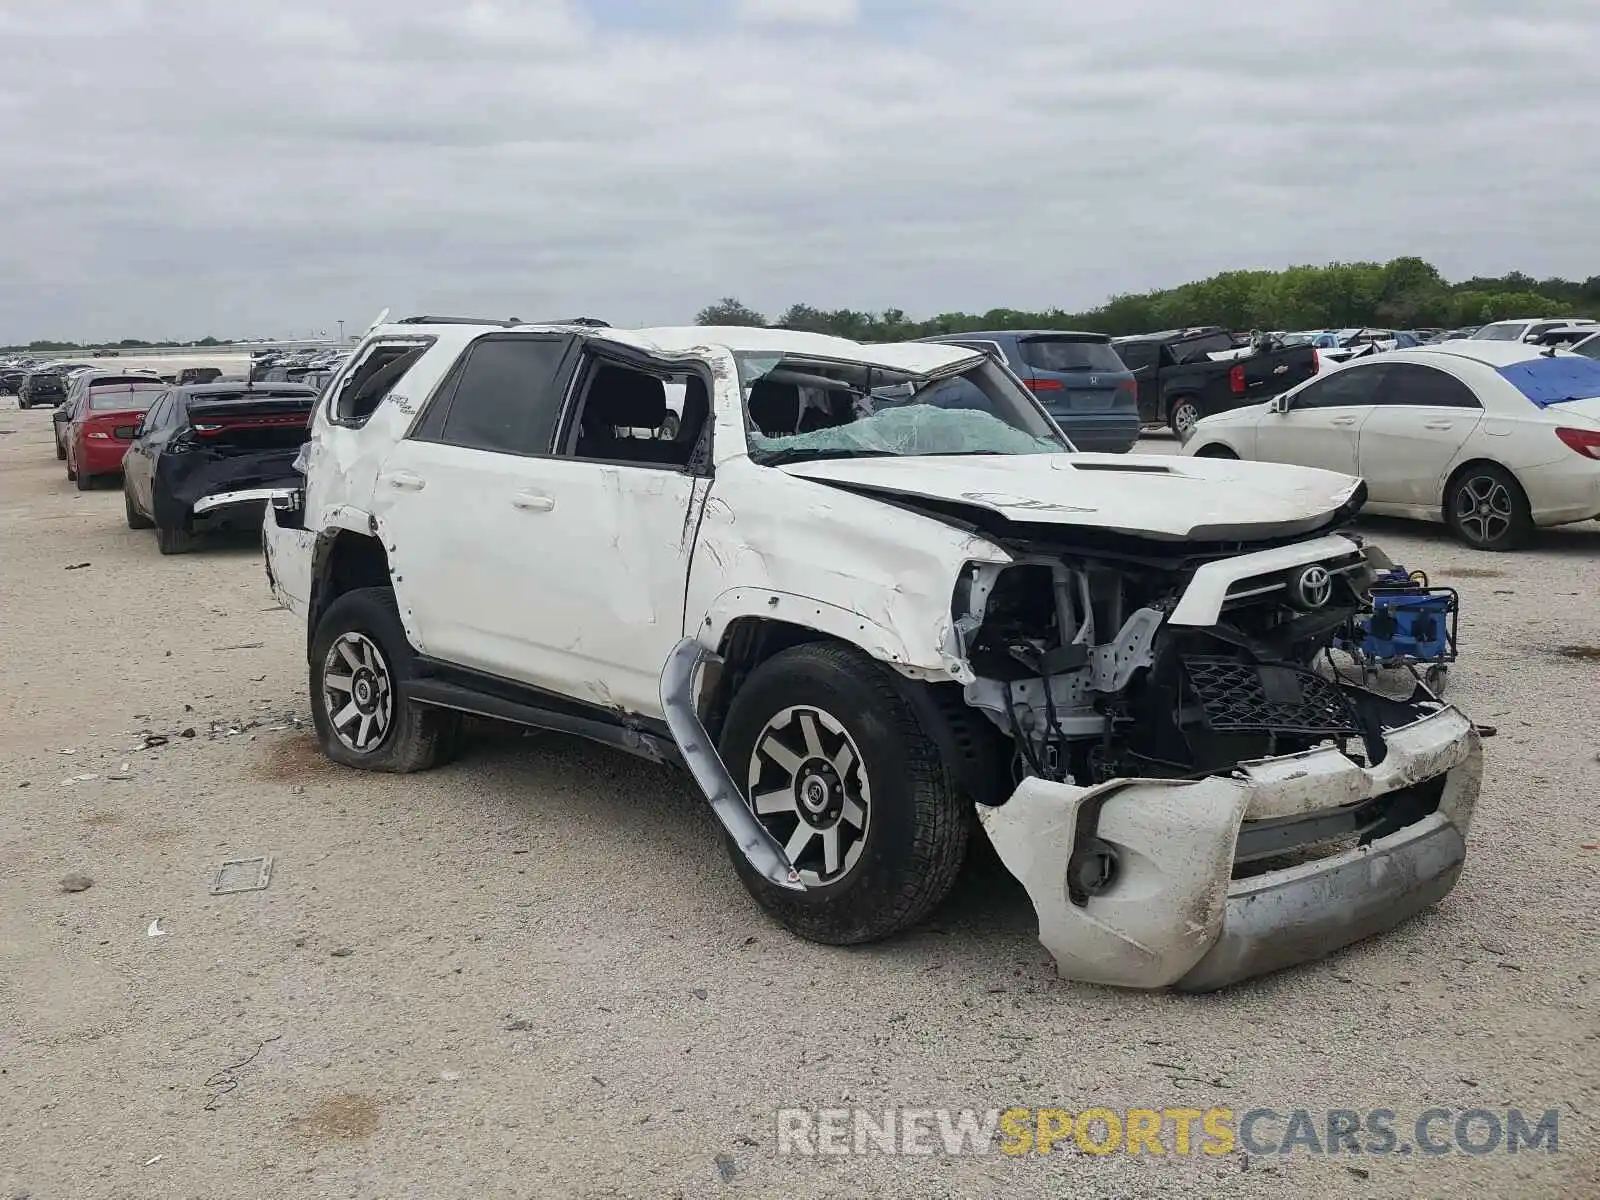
x=138 y=429
x=1278 y=404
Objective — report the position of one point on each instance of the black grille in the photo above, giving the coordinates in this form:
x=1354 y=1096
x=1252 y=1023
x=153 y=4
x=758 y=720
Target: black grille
x=1237 y=697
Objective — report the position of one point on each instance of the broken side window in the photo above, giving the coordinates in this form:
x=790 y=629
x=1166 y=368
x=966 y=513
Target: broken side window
x=372 y=378
x=628 y=415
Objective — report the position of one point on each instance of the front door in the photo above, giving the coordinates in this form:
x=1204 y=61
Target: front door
x=1322 y=426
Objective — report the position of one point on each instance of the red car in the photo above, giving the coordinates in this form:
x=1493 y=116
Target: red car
x=105 y=411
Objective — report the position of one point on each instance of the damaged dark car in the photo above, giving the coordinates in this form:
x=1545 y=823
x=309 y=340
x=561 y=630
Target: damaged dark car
x=210 y=455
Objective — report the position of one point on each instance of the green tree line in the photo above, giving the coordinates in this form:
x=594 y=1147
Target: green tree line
x=1405 y=293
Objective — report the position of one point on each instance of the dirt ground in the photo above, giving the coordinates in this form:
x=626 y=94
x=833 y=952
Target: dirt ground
x=533 y=973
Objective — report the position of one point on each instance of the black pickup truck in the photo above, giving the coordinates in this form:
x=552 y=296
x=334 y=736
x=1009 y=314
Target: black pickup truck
x=1179 y=381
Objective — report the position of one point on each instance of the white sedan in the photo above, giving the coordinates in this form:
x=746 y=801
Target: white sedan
x=1492 y=438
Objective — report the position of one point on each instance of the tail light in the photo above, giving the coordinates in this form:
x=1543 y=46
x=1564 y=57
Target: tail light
x=274 y=421
x=1585 y=441
x=1128 y=390
x=1046 y=385
x=1316 y=362
x=1236 y=380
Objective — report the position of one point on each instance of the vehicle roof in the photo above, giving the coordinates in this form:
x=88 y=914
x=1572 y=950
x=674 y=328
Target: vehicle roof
x=912 y=357
x=1492 y=354
x=1536 y=320
x=1171 y=335
x=1023 y=334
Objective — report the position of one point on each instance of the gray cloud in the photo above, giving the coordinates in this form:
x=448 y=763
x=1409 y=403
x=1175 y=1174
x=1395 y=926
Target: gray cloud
x=191 y=167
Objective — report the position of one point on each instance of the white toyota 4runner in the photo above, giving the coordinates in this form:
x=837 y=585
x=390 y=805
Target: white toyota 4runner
x=875 y=604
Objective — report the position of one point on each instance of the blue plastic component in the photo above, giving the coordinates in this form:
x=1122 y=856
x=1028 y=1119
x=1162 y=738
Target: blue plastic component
x=1548 y=381
x=1408 y=622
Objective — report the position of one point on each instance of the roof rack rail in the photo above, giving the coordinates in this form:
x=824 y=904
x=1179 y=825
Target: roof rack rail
x=593 y=322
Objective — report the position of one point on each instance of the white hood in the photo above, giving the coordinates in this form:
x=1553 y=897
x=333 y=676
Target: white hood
x=1156 y=496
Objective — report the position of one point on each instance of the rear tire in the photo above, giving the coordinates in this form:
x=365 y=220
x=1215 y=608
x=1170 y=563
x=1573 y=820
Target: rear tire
x=136 y=519
x=891 y=873
x=388 y=731
x=85 y=481
x=1183 y=416
x=174 y=540
x=1486 y=508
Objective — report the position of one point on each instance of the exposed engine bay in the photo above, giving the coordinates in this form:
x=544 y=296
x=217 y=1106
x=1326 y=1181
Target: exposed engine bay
x=1080 y=663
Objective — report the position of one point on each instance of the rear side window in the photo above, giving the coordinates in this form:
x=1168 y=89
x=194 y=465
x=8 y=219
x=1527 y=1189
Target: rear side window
x=1589 y=348
x=1070 y=354
x=504 y=396
x=373 y=379
x=1427 y=387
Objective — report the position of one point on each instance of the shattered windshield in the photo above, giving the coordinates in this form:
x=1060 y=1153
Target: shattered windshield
x=799 y=408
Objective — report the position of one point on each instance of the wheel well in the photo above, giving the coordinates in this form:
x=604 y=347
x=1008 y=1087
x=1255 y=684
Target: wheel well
x=969 y=743
x=343 y=562
x=1444 y=499
x=1215 y=450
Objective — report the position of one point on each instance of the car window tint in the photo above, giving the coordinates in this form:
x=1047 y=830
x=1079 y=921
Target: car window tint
x=1589 y=348
x=1137 y=355
x=1419 y=386
x=1344 y=388
x=506 y=398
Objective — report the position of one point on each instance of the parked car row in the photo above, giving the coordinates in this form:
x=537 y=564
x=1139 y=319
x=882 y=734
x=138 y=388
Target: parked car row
x=189 y=457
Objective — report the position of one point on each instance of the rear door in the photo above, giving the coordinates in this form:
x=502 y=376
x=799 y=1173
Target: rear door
x=1322 y=426
x=1408 y=443
x=1143 y=359
x=452 y=502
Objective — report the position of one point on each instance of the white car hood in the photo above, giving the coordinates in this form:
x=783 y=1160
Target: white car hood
x=1156 y=496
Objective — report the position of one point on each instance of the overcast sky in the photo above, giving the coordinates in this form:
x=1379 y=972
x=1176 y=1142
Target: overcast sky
x=184 y=167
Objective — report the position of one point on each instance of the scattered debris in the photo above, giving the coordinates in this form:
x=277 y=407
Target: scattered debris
x=68 y=750
x=224 y=1081
x=243 y=875
x=79 y=779
x=188 y=733
x=150 y=1162
x=1487 y=731
x=1582 y=653
x=342 y=952
x=77 y=881
x=23 y=784
x=449 y=1076
x=1359 y=1172
x=519 y=1026
x=152 y=740
x=155 y=929
x=78 y=566
x=1589 y=845
x=241 y=646
x=699 y=993
x=726 y=1167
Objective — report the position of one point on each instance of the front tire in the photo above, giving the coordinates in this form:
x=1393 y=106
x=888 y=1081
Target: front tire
x=839 y=768
x=1486 y=508
x=1215 y=451
x=361 y=668
x=1183 y=416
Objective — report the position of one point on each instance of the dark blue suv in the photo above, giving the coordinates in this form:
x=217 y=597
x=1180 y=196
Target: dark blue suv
x=1078 y=377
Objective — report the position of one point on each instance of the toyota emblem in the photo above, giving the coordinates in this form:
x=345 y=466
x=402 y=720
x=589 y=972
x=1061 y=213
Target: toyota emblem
x=1312 y=587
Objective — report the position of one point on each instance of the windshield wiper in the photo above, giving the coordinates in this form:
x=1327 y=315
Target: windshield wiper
x=773 y=458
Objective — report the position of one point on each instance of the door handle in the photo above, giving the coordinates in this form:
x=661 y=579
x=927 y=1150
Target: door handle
x=533 y=502
x=1438 y=424
x=1342 y=421
x=405 y=481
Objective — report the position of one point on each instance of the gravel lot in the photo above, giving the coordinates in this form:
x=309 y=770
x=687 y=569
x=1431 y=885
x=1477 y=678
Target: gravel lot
x=533 y=973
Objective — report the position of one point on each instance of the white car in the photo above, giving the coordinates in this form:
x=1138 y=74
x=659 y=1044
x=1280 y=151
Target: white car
x=1524 y=330
x=1492 y=438
x=872 y=627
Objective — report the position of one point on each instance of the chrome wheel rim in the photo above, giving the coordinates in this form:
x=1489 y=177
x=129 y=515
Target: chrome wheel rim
x=808 y=786
x=1184 y=418
x=357 y=692
x=1484 y=508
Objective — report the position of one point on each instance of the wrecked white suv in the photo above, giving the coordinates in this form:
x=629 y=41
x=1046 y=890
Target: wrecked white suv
x=876 y=605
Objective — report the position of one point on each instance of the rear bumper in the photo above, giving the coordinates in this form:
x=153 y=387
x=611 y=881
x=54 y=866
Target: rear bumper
x=1562 y=492
x=101 y=458
x=1174 y=916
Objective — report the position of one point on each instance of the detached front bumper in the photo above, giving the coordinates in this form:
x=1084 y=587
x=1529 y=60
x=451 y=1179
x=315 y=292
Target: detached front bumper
x=1174 y=914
